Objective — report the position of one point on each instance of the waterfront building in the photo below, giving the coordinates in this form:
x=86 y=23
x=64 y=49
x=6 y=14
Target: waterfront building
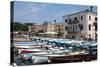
x=58 y=28
x=37 y=28
x=48 y=26
x=81 y=24
x=48 y=29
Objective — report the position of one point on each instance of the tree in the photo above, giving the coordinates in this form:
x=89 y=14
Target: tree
x=26 y=26
x=29 y=24
x=17 y=26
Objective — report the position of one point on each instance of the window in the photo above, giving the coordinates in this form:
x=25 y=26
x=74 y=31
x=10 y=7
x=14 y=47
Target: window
x=73 y=28
x=89 y=17
x=95 y=18
x=89 y=27
x=95 y=25
x=96 y=28
x=81 y=17
x=70 y=20
x=81 y=26
x=58 y=25
x=75 y=18
x=76 y=27
x=65 y=20
x=66 y=28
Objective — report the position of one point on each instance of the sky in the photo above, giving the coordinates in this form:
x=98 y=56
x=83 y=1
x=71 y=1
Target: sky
x=26 y=12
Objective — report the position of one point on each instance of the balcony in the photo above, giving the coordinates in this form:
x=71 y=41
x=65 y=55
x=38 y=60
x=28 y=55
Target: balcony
x=73 y=31
x=73 y=22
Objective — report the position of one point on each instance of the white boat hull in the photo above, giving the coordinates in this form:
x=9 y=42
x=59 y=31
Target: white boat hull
x=39 y=59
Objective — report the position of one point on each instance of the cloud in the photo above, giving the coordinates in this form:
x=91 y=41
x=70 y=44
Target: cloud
x=24 y=8
x=36 y=9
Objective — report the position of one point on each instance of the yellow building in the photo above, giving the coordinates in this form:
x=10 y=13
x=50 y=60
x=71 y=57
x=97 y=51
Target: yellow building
x=58 y=27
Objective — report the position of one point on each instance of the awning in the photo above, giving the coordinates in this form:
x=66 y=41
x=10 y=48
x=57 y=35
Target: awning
x=40 y=33
x=73 y=33
x=50 y=33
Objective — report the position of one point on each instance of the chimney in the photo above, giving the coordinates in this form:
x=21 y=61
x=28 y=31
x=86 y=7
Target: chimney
x=91 y=8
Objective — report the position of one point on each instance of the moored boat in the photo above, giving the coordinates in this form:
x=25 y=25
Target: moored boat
x=65 y=59
x=38 y=59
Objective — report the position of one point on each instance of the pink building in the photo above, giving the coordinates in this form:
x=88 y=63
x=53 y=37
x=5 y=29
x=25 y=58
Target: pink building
x=37 y=28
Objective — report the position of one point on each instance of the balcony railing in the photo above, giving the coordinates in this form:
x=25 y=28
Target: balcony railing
x=73 y=22
x=73 y=31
